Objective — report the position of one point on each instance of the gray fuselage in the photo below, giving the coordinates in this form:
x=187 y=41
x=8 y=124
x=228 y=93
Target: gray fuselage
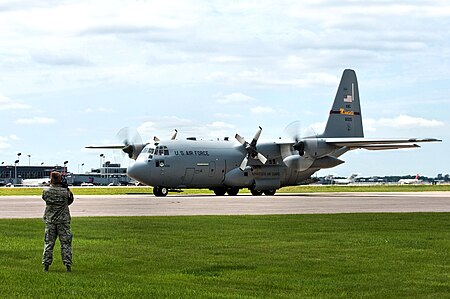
x=212 y=164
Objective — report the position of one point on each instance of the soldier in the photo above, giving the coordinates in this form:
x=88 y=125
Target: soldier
x=57 y=221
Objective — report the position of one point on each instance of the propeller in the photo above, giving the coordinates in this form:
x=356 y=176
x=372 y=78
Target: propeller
x=251 y=149
x=132 y=142
x=306 y=147
x=292 y=130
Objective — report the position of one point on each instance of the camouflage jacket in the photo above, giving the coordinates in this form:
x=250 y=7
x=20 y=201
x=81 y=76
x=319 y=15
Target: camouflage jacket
x=57 y=199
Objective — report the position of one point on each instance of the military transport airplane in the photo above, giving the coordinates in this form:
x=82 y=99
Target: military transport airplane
x=226 y=166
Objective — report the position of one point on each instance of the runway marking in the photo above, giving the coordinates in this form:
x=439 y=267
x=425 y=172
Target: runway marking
x=173 y=205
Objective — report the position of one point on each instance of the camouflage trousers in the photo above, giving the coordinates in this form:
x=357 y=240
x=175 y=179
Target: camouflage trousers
x=52 y=231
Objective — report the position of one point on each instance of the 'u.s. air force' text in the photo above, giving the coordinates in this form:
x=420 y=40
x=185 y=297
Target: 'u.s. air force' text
x=191 y=153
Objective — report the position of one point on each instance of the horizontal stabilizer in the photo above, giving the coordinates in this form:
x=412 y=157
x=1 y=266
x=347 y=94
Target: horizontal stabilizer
x=378 y=144
x=379 y=147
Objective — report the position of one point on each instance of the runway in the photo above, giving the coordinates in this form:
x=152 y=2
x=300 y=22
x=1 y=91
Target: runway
x=174 y=205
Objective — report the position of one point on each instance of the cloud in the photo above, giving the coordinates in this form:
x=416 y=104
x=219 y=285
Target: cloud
x=258 y=110
x=217 y=130
x=14 y=137
x=162 y=127
x=8 y=104
x=268 y=77
x=147 y=128
x=35 y=121
x=59 y=59
x=148 y=34
x=4 y=141
x=226 y=59
x=99 y=110
x=221 y=125
x=4 y=145
x=402 y=121
x=235 y=98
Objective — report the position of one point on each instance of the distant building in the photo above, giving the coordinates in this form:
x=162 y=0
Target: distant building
x=108 y=174
x=11 y=174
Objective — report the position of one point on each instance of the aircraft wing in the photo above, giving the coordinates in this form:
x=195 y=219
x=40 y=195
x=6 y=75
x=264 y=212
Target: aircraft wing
x=113 y=146
x=378 y=144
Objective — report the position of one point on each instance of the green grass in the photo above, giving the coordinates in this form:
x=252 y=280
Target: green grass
x=295 y=189
x=294 y=256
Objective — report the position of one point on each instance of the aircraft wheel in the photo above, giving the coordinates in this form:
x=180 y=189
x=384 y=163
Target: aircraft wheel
x=164 y=191
x=160 y=191
x=256 y=192
x=220 y=191
x=270 y=192
x=233 y=191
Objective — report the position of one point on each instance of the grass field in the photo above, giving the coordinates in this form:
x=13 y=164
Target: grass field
x=296 y=189
x=293 y=256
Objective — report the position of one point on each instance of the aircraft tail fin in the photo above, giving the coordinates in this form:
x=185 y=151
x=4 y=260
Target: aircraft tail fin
x=345 y=116
x=352 y=177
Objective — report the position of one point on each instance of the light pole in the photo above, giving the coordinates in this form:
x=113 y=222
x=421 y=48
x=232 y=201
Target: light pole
x=29 y=160
x=107 y=164
x=65 y=167
x=15 y=171
x=15 y=163
x=101 y=156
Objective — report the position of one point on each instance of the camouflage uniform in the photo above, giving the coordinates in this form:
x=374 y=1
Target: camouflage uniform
x=57 y=223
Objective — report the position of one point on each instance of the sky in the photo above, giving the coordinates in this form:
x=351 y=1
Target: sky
x=74 y=73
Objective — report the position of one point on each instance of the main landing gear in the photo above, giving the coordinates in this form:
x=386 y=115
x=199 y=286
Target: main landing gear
x=260 y=192
x=233 y=191
x=221 y=191
x=160 y=191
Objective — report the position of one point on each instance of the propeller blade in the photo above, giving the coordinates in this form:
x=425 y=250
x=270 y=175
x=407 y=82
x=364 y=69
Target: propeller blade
x=124 y=135
x=293 y=131
x=262 y=158
x=244 y=163
x=240 y=139
x=174 y=136
x=255 y=139
x=251 y=149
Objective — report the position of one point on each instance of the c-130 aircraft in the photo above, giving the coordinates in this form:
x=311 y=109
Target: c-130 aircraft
x=226 y=166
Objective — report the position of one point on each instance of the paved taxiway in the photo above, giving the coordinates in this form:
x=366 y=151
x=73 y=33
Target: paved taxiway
x=316 y=203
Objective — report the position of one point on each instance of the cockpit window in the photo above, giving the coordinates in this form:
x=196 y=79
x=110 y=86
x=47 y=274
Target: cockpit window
x=151 y=151
x=161 y=151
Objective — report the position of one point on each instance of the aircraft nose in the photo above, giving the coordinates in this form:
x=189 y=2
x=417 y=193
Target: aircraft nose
x=137 y=171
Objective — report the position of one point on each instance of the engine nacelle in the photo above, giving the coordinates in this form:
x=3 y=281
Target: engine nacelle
x=239 y=178
x=300 y=163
